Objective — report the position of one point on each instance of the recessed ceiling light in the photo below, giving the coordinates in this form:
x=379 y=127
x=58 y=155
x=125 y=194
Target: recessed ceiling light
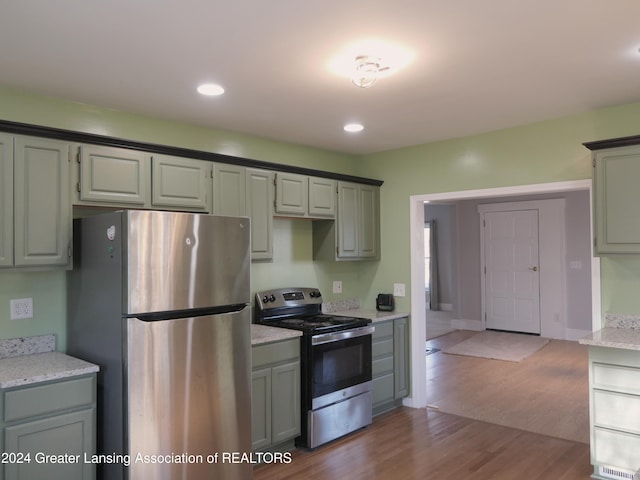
x=353 y=127
x=210 y=89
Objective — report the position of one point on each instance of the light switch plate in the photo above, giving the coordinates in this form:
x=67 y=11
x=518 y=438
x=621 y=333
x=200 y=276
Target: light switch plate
x=21 y=308
x=337 y=286
x=398 y=290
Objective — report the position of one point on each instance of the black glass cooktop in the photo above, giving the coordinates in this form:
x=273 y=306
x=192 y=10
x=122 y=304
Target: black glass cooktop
x=322 y=323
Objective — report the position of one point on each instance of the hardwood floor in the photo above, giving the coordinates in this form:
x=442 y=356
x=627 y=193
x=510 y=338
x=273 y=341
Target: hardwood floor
x=409 y=443
x=546 y=392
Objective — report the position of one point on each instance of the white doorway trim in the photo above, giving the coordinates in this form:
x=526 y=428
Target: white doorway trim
x=418 y=397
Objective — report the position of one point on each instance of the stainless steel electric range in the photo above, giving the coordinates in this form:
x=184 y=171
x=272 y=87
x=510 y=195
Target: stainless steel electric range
x=335 y=361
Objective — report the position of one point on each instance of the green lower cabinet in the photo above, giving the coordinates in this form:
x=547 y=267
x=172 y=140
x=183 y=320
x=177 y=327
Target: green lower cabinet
x=275 y=398
x=48 y=430
x=390 y=364
x=614 y=403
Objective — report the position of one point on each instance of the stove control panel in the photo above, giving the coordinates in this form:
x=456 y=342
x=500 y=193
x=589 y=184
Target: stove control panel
x=288 y=297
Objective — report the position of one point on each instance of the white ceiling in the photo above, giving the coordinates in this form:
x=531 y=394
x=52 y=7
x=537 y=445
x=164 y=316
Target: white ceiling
x=478 y=65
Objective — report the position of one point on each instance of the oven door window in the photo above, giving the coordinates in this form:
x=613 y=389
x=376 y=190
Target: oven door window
x=340 y=364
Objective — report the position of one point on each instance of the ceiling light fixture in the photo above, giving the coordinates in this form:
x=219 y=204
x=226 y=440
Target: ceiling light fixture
x=366 y=71
x=210 y=89
x=353 y=127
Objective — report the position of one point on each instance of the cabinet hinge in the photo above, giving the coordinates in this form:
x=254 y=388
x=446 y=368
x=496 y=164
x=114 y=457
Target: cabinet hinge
x=78 y=187
x=69 y=251
x=594 y=163
x=78 y=155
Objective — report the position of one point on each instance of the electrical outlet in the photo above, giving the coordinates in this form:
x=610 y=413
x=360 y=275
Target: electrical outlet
x=398 y=290
x=21 y=308
x=337 y=286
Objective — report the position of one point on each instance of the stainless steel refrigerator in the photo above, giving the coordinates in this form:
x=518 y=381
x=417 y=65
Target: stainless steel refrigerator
x=160 y=301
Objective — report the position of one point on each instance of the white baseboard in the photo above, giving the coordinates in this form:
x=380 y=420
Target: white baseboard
x=462 y=324
x=446 y=307
x=575 y=335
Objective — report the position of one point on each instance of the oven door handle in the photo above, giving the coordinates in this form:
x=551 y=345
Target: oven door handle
x=342 y=335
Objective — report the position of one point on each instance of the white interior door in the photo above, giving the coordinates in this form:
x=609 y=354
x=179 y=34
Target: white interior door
x=512 y=277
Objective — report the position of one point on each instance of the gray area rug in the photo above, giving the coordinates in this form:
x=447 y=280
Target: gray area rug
x=512 y=347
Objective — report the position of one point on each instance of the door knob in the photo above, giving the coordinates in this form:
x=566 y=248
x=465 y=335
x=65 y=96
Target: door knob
x=535 y=269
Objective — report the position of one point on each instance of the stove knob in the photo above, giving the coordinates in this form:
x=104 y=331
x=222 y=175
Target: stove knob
x=272 y=298
x=265 y=299
x=316 y=294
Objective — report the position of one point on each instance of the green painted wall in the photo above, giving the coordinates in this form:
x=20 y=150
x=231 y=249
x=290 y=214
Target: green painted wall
x=544 y=152
x=539 y=153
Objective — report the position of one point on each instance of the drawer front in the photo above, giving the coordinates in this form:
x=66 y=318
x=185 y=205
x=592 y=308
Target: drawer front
x=50 y=398
x=382 y=348
x=382 y=330
x=616 y=378
x=382 y=366
x=616 y=410
x=383 y=389
x=616 y=449
x=276 y=352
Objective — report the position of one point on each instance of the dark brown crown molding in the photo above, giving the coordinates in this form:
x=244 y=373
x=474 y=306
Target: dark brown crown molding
x=613 y=143
x=80 y=137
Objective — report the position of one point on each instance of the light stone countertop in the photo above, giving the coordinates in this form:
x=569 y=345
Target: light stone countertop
x=373 y=315
x=265 y=334
x=41 y=367
x=620 y=331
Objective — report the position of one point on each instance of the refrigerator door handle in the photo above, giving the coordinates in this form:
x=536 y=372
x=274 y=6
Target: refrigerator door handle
x=195 y=312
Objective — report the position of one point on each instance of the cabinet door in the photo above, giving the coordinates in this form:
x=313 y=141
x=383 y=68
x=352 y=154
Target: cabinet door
x=369 y=228
x=69 y=434
x=114 y=176
x=292 y=194
x=261 y=408
x=6 y=200
x=401 y=357
x=616 y=196
x=260 y=209
x=42 y=207
x=182 y=183
x=229 y=190
x=348 y=220
x=322 y=197
x=285 y=413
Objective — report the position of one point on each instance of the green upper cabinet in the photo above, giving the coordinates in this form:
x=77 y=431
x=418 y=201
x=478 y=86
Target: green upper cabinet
x=292 y=194
x=304 y=196
x=6 y=200
x=369 y=221
x=113 y=176
x=322 y=197
x=259 y=191
x=229 y=190
x=616 y=197
x=355 y=234
x=41 y=204
x=180 y=183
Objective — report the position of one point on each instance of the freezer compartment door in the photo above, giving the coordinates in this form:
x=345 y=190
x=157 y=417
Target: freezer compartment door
x=188 y=397
x=181 y=261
